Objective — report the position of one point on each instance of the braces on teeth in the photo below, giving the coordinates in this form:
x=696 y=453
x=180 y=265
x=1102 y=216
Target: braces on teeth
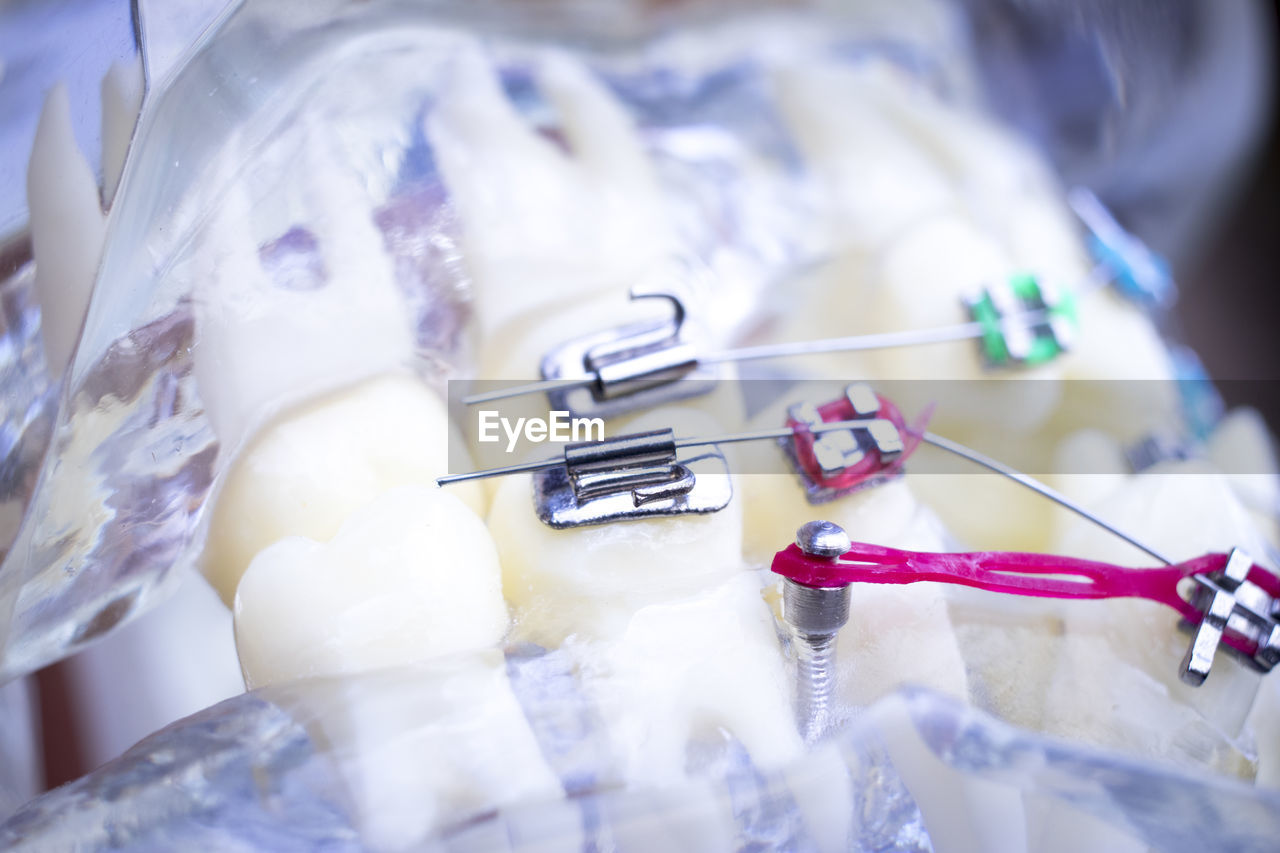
x=1021 y=321
x=1138 y=273
x=637 y=366
x=1234 y=603
x=836 y=448
x=636 y=475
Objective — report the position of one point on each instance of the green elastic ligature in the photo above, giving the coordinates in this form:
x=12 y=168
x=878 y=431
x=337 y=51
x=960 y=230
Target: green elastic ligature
x=1024 y=321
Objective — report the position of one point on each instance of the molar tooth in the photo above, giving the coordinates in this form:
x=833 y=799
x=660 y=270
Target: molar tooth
x=306 y=473
x=412 y=576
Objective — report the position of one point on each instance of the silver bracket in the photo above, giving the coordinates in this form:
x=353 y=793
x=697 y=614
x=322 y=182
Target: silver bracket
x=1232 y=604
x=633 y=476
x=837 y=450
x=636 y=366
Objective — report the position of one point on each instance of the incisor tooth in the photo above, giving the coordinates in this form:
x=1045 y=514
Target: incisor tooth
x=121 y=100
x=67 y=228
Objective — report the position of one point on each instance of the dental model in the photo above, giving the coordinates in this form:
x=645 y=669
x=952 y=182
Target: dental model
x=342 y=558
x=931 y=248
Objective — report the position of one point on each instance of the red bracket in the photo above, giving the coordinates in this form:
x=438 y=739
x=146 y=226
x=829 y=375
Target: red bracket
x=873 y=467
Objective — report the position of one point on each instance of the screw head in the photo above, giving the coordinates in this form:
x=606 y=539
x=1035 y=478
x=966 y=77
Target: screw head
x=823 y=539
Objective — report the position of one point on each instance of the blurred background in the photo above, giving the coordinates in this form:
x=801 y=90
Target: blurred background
x=1167 y=109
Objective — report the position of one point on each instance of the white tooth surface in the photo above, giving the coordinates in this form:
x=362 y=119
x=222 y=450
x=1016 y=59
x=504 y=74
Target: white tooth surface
x=877 y=179
x=412 y=576
x=1088 y=465
x=774 y=504
x=263 y=345
x=121 y=100
x=542 y=227
x=1119 y=372
x=824 y=794
x=432 y=747
x=1242 y=447
x=1120 y=658
x=590 y=580
x=305 y=473
x=1004 y=183
x=898 y=636
x=923 y=277
x=986 y=512
x=67 y=228
x=687 y=669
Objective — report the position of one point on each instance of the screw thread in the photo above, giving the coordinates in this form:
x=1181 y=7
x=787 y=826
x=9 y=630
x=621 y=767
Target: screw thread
x=815 y=681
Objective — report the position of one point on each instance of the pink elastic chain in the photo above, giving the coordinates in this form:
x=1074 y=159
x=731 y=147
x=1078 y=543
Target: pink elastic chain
x=1039 y=575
